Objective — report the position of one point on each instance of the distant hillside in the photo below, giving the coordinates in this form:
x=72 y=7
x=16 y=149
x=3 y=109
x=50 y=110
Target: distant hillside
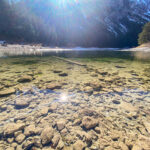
x=98 y=23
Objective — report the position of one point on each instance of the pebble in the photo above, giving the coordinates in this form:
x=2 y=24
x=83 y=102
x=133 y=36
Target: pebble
x=20 y=104
x=89 y=122
x=61 y=124
x=19 y=139
x=25 y=78
x=79 y=145
x=13 y=127
x=7 y=92
x=30 y=130
x=47 y=135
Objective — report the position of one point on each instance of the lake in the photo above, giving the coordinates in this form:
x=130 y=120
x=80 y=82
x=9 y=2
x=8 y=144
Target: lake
x=75 y=100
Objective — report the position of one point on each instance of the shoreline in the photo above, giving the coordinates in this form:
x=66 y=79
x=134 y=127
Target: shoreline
x=17 y=49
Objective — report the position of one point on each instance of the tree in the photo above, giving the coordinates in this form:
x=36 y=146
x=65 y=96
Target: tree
x=144 y=36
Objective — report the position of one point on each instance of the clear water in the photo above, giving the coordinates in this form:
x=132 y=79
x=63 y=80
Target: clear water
x=111 y=88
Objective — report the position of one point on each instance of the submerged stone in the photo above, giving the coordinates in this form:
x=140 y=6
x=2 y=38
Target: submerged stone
x=7 y=92
x=44 y=111
x=20 y=138
x=88 y=112
x=3 y=107
x=30 y=130
x=128 y=106
x=142 y=143
x=88 y=89
x=63 y=74
x=28 y=143
x=53 y=107
x=60 y=144
x=13 y=127
x=10 y=148
x=21 y=103
x=53 y=86
x=61 y=124
x=25 y=78
x=89 y=122
x=116 y=102
x=120 y=67
x=55 y=140
x=37 y=142
x=47 y=135
x=57 y=71
x=79 y=145
x=118 y=90
x=147 y=126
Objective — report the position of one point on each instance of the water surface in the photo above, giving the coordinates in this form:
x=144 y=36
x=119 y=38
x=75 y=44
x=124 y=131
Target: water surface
x=88 y=100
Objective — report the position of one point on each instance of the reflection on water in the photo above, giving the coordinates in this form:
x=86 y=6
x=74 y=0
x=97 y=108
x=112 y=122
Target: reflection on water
x=89 y=100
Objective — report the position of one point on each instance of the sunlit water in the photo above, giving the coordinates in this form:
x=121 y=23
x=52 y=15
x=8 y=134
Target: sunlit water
x=94 y=100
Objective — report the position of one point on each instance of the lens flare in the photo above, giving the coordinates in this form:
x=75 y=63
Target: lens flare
x=63 y=97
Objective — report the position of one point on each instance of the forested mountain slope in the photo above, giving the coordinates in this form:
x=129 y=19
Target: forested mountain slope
x=102 y=23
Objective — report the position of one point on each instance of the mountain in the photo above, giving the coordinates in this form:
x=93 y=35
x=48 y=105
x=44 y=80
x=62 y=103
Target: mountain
x=102 y=23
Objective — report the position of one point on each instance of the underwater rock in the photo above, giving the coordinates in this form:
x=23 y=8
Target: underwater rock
x=53 y=86
x=77 y=122
x=63 y=74
x=61 y=124
x=3 y=107
x=20 y=138
x=57 y=71
x=64 y=132
x=37 y=141
x=143 y=142
x=17 y=133
x=25 y=78
x=118 y=90
x=123 y=146
x=88 y=89
x=47 y=135
x=60 y=144
x=10 y=148
x=27 y=144
x=127 y=106
x=97 y=130
x=89 y=122
x=147 y=126
x=14 y=145
x=10 y=140
x=88 y=112
x=116 y=102
x=120 y=67
x=53 y=107
x=93 y=74
x=44 y=111
x=96 y=85
x=108 y=79
x=79 y=145
x=1 y=87
x=75 y=102
x=55 y=140
x=30 y=130
x=7 y=92
x=13 y=127
x=103 y=73
x=21 y=103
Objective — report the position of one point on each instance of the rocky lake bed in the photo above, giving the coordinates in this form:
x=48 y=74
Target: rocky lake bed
x=48 y=103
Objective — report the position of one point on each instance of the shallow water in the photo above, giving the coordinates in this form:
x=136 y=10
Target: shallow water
x=91 y=100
